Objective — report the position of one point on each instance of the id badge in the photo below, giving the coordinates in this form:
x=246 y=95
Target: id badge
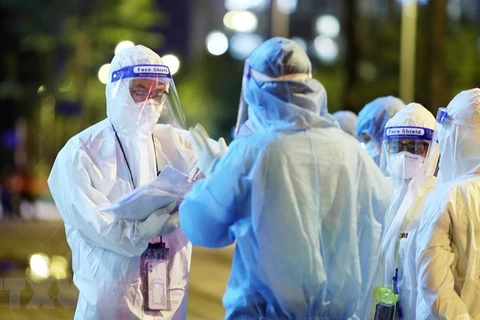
x=155 y=277
x=385 y=300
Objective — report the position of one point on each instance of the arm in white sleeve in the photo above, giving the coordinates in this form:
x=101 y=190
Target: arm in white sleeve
x=435 y=258
x=77 y=199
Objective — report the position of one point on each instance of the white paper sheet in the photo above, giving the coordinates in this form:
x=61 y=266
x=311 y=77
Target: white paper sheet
x=170 y=185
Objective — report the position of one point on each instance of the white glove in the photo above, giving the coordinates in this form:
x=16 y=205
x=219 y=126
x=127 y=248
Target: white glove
x=153 y=226
x=207 y=156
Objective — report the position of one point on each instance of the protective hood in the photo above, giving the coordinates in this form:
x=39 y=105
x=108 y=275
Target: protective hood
x=371 y=121
x=347 y=120
x=459 y=136
x=279 y=92
x=375 y=114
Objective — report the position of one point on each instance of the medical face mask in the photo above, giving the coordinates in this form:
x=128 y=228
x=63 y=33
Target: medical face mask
x=373 y=149
x=404 y=165
x=148 y=114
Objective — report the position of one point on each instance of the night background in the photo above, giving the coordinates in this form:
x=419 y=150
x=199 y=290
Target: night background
x=52 y=53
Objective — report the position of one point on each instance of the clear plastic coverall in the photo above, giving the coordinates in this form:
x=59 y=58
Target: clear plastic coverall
x=95 y=168
x=448 y=242
x=347 y=120
x=370 y=123
x=301 y=198
x=413 y=179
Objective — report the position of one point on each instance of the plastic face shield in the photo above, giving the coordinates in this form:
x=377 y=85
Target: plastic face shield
x=151 y=84
x=407 y=150
x=457 y=141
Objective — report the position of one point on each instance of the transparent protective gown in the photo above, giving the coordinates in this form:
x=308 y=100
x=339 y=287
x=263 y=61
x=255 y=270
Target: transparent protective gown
x=109 y=160
x=300 y=198
x=448 y=241
x=411 y=162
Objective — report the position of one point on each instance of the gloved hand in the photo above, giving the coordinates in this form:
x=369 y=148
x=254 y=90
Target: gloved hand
x=153 y=226
x=207 y=156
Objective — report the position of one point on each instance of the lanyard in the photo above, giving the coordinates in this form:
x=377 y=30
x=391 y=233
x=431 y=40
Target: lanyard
x=126 y=161
x=405 y=225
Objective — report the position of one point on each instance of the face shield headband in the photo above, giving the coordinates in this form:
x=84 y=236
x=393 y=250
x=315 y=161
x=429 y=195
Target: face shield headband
x=407 y=138
x=149 y=71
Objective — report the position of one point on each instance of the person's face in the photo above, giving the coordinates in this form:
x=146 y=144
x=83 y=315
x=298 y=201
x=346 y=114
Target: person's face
x=365 y=137
x=418 y=147
x=144 y=89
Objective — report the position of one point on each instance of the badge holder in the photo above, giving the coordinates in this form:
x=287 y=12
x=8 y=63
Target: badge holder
x=153 y=271
x=385 y=300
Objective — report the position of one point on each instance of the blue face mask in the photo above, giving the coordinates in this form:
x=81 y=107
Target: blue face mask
x=373 y=150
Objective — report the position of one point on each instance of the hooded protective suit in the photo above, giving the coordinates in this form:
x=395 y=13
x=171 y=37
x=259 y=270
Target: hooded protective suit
x=370 y=123
x=448 y=242
x=347 y=120
x=301 y=198
x=413 y=179
x=101 y=164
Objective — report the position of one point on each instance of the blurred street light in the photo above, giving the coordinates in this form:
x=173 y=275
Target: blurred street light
x=217 y=43
x=326 y=48
x=245 y=4
x=287 y=6
x=103 y=73
x=454 y=9
x=123 y=45
x=41 y=89
x=39 y=266
x=172 y=62
x=328 y=25
x=241 y=21
x=242 y=44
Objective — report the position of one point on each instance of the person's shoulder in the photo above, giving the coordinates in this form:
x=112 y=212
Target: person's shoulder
x=257 y=141
x=466 y=187
x=89 y=137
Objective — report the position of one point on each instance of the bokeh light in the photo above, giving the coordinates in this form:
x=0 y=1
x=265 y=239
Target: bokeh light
x=326 y=48
x=241 y=21
x=39 y=266
x=242 y=44
x=172 y=62
x=123 y=45
x=328 y=25
x=245 y=4
x=103 y=73
x=287 y=6
x=217 y=43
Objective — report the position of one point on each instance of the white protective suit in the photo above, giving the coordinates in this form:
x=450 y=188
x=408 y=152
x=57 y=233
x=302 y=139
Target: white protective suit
x=413 y=180
x=448 y=254
x=94 y=169
x=301 y=198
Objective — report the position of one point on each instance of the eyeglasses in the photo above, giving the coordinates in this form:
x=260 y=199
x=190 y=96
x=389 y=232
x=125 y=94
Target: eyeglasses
x=142 y=95
x=418 y=147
